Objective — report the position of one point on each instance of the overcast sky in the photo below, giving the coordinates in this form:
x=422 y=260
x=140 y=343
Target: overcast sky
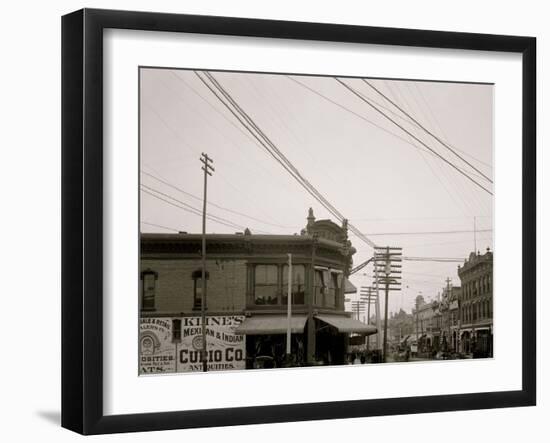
x=369 y=169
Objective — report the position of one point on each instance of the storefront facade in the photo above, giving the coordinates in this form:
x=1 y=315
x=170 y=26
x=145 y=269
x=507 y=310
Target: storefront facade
x=476 y=305
x=246 y=300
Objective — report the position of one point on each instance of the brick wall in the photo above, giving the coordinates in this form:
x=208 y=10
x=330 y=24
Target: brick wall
x=226 y=285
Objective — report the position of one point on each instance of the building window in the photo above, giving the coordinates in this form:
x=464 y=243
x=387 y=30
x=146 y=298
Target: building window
x=148 y=290
x=197 y=289
x=333 y=285
x=298 y=284
x=176 y=330
x=320 y=287
x=265 y=284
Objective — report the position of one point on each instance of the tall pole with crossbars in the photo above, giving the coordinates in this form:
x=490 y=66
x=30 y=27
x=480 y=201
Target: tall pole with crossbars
x=208 y=169
x=388 y=272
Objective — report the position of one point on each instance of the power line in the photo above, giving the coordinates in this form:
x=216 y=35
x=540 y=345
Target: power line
x=160 y=226
x=191 y=209
x=211 y=203
x=362 y=117
x=209 y=121
x=429 y=232
x=423 y=98
x=239 y=116
x=353 y=91
x=444 y=184
x=267 y=140
x=249 y=124
x=435 y=259
x=426 y=130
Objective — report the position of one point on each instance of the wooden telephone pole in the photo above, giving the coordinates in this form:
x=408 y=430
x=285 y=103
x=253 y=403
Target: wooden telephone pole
x=368 y=295
x=207 y=168
x=388 y=273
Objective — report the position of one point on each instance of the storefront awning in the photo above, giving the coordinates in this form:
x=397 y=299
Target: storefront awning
x=271 y=324
x=346 y=324
x=349 y=287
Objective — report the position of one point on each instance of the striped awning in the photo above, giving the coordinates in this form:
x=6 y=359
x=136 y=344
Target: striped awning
x=346 y=325
x=349 y=287
x=271 y=324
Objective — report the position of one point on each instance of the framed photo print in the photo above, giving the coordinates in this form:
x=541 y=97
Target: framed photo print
x=269 y=221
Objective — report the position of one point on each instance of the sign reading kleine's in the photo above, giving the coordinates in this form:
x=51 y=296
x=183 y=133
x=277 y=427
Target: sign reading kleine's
x=164 y=349
x=225 y=350
x=156 y=347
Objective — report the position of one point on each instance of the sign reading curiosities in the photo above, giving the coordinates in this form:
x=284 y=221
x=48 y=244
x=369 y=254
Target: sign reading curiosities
x=174 y=344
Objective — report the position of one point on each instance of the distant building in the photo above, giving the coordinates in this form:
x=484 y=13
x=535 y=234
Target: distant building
x=401 y=327
x=476 y=305
x=448 y=308
x=247 y=285
x=427 y=320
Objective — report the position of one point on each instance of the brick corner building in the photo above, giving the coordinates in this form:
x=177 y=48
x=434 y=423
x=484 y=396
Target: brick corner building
x=246 y=306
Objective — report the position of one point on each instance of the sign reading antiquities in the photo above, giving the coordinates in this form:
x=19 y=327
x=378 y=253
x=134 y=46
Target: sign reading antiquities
x=165 y=348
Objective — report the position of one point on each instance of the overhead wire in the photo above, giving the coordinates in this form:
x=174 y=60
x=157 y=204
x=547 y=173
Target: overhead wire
x=442 y=142
x=244 y=118
x=230 y=121
x=470 y=199
x=362 y=117
x=212 y=203
x=444 y=185
x=353 y=91
x=189 y=208
x=475 y=198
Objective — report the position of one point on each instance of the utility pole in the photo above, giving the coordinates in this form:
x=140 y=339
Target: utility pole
x=377 y=307
x=288 y=309
x=449 y=317
x=417 y=305
x=368 y=295
x=386 y=259
x=359 y=307
x=206 y=167
x=310 y=358
x=475 y=237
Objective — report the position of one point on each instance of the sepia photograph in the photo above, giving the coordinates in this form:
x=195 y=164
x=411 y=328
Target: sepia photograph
x=292 y=220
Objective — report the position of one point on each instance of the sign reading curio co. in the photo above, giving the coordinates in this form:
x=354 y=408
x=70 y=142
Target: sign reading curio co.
x=164 y=348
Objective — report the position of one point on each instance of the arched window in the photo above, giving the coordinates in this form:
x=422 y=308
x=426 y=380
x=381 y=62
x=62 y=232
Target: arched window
x=197 y=288
x=148 y=289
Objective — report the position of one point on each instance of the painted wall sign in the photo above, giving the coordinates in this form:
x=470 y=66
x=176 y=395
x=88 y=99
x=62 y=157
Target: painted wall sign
x=157 y=350
x=164 y=350
x=225 y=349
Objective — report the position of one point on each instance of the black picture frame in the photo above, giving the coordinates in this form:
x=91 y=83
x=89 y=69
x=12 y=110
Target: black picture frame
x=82 y=218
